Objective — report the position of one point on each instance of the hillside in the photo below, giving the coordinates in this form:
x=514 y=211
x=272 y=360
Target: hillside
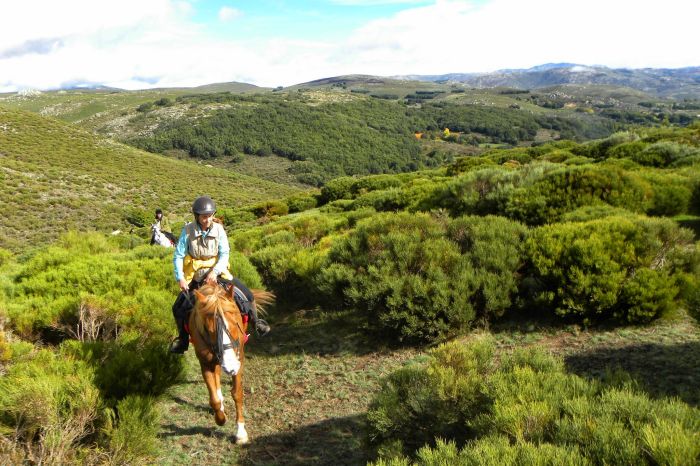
x=307 y=134
x=564 y=248
x=56 y=177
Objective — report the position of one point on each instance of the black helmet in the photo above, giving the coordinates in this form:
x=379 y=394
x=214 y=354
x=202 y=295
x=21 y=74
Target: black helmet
x=203 y=205
x=158 y=211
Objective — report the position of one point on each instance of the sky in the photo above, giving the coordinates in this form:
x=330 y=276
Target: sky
x=138 y=44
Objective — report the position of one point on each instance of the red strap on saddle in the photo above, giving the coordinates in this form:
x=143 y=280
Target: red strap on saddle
x=187 y=329
x=244 y=317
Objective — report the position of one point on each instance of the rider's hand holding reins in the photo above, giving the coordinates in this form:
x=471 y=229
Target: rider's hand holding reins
x=184 y=287
x=211 y=278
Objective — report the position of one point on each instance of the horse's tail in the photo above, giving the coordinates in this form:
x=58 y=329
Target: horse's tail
x=262 y=298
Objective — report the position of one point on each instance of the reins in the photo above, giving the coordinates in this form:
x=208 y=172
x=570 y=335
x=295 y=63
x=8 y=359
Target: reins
x=218 y=347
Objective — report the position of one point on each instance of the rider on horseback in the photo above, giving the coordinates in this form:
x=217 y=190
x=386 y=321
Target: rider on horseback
x=201 y=256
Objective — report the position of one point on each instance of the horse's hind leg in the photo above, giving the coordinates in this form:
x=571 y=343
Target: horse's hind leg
x=216 y=398
x=237 y=393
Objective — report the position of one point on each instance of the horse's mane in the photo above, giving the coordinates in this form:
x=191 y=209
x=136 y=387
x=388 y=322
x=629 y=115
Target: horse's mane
x=210 y=300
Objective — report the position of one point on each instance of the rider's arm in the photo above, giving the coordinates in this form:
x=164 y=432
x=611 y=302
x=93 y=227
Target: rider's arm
x=223 y=253
x=179 y=256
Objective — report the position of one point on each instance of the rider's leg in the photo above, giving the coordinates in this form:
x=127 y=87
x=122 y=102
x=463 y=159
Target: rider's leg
x=183 y=304
x=260 y=325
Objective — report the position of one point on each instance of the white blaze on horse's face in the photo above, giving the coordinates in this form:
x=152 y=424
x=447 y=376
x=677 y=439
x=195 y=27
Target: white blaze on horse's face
x=230 y=364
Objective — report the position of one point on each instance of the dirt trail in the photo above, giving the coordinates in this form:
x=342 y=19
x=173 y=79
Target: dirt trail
x=306 y=394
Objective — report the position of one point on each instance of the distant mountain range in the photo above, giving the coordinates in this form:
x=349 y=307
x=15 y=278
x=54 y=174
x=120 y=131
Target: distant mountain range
x=677 y=83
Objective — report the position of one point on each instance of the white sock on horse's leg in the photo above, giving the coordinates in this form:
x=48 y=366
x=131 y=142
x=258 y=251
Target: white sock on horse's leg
x=221 y=398
x=241 y=434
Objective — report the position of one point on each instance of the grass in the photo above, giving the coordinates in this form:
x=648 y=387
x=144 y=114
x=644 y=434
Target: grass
x=307 y=387
x=309 y=383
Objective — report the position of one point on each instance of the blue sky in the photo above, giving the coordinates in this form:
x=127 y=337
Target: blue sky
x=308 y=20
x=134 y=44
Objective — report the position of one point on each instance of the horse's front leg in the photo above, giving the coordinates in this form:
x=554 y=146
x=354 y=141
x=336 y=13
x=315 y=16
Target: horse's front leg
x=216 y=399
x=237 y=394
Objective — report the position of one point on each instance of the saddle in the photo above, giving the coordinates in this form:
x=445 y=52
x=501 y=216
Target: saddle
x=185 y=303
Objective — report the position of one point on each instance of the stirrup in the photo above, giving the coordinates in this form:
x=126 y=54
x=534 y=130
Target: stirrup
x=179 y=345
x=261 y=327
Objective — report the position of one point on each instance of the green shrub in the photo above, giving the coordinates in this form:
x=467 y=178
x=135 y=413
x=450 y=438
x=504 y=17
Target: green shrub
x=557 y=156
x=233 y=218
x=600 y=149
x=5 y=257
x=374 y=183
x=460 y=407
x=616 y=267
x=466 y=164
x=663 y=153
x=671 y=194
x=338 y=188
x=421 y=279
x=242 y=269
x=628 y=150
x=135 y=284
x=130 y=365
x=270 y=208
x=586 y=213
x=138 y=217
x=566 y=189
x=418 y=403
x=301 y=202
x=382 y=200
x=49 y=402
x=134 y=439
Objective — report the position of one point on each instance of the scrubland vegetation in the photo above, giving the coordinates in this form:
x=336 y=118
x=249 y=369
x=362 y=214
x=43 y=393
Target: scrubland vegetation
x=57 y=177
x=361 y=135
x=567 y=234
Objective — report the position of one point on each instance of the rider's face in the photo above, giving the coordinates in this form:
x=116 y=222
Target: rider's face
x=205 y=220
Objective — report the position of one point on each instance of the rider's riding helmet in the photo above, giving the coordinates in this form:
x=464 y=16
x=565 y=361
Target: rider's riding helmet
x=203 y=205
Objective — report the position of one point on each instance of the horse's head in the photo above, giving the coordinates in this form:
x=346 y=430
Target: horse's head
x=217 y=327
x=212 y=300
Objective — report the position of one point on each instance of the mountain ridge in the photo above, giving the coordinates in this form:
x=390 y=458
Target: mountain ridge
x=661 y=82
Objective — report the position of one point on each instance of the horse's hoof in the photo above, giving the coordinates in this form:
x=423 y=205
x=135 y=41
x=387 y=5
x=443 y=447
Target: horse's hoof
x=220 y=420
x=241 y=434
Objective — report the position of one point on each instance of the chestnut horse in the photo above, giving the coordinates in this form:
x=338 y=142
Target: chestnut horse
x=216 y=304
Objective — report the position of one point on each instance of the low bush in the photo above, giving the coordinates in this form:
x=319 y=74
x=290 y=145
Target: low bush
x=49 y=402
x=131 y=365
x=622 y=268
x=134 y=438
x=301 y=202
x=467 y=164
x=671 y=196
x=460 y=407
x=134 y=286
x=335 y=189
x=421 y=279
x=270 y=208
x=566 y=189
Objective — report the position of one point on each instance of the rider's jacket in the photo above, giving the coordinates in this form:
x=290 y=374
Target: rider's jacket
x=198 y=251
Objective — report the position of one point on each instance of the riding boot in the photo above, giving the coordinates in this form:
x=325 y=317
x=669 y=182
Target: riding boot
x=182 y=342
x=261 y=326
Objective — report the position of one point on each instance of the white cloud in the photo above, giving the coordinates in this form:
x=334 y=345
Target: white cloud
x=226 y=13
x=136 y=44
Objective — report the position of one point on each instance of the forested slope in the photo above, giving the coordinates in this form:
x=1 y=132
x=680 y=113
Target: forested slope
x=57 y=177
